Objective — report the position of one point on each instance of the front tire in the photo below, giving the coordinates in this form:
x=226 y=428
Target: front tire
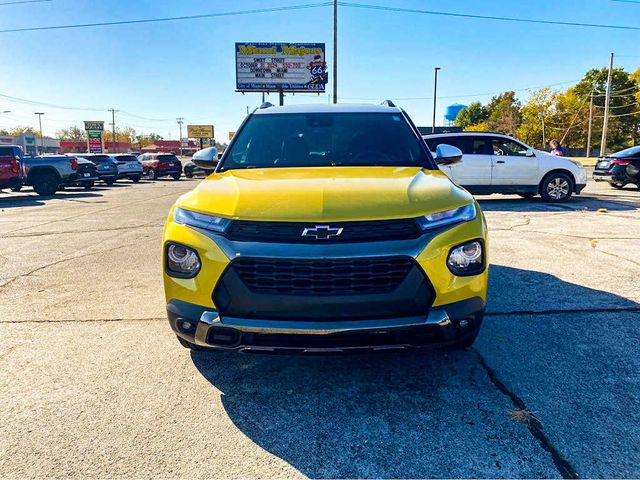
x=135 y=179
x=618 y=185
x=110 y=181
x=45 y=184
x=87 y=185
x=556 y=187
x=176 y=176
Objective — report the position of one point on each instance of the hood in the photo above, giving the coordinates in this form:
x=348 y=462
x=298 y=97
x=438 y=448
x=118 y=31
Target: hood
x=325 y=194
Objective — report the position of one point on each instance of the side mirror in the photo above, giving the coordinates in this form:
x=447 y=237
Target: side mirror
x=447 y=154
x=207 y=158
x=530 y=153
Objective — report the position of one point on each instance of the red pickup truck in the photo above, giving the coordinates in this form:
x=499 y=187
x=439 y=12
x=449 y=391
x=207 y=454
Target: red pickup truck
x=10 y=158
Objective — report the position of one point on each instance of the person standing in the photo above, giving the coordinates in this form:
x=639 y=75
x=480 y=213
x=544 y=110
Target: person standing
x=557 y=149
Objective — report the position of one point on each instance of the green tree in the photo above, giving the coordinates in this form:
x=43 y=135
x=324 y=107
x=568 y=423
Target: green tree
x=474 y=114
x=623 y=116
x=541 y=103
x=504 y=113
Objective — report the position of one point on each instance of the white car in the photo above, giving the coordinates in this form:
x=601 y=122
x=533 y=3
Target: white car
x=128 y=166
x=495 y=163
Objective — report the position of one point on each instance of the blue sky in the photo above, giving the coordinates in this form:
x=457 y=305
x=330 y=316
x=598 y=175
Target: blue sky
x=186 y=68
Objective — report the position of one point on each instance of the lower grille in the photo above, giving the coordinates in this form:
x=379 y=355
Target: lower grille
x=323 y=277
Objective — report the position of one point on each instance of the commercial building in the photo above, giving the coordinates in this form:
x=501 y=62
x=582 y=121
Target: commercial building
x=32 y=145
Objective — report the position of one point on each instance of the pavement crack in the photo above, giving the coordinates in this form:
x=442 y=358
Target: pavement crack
x=57 y=262
x=85 y=320
x=564 y=311
x=67 y=232
x=564 y=467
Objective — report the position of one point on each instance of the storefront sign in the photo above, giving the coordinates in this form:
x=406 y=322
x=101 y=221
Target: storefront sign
x=200 y=131
x=94 y=142
x=91 y=126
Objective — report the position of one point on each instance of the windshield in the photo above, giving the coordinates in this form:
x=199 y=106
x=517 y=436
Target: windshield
x=325 y=139
x=126 y=158
x=99 y=158
x=167 y=158
x=628 y=152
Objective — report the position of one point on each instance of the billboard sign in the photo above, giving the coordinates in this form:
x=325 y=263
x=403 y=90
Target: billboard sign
x=200 y=131
x=94 y=141
x=92 y=126
x=274 y=67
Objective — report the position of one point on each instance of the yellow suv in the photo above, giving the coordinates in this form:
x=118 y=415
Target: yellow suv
x=326 y=228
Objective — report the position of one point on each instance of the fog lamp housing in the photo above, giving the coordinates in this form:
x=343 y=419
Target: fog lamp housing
x=467 y=258
x=181 y=261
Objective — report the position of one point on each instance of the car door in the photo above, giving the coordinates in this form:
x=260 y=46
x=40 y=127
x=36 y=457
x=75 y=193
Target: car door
x=475 y=166
x=512 y=163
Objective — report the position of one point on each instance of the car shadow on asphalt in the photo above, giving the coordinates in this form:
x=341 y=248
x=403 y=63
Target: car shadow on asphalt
x=621 y=202
x=36 y=200
x=424 y=413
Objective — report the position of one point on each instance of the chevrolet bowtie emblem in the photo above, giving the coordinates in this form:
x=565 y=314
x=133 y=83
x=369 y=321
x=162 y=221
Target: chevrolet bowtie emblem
x=322 y=232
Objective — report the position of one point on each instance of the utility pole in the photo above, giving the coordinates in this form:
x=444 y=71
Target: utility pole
x=435 y=98
x=113 y=124
x=590 y=119
x=180 y=120
x=335 y=51
x=41 y=139
x=605 y=125
x=544 y=137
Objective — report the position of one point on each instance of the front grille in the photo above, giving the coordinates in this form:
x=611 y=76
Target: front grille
x=323 y=277
x=291 y=232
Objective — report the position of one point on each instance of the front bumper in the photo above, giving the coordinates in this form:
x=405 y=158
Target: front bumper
x=129 y=174
x=443 y=325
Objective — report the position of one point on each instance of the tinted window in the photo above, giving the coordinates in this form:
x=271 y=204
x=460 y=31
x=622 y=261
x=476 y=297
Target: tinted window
x=99 y=158
x=126 y=158
x=167 y=158
x=10 y=151
x=628 y=152
x=469 y=145
x=326 y=139
x=504 y=146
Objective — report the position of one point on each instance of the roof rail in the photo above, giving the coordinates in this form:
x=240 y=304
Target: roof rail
x=388 y=103
x=266 y=105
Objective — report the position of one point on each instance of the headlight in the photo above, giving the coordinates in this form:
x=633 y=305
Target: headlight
x=181 y=261
x=467 y=259
x=449 y=217
x=200 y=220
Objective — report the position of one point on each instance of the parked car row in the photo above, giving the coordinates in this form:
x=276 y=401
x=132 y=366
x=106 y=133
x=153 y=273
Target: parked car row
x=49 y=173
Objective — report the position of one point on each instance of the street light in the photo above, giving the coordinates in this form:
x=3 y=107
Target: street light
x=544 y=140
x=435 y=98
x=41 y=139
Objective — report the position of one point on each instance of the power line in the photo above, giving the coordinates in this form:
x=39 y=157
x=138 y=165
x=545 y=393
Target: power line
x=486 y=17
x=467 y=95
x=16 y=2
x=170 y=19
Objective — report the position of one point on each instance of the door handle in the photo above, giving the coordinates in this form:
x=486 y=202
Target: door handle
x=500 y=161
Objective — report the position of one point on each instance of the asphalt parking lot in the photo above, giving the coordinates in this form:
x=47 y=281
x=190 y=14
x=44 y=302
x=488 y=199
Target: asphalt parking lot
x=94 y=383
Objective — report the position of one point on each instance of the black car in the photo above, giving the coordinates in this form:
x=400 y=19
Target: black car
x=191 y=169
x=105 y=164
x=619 y=169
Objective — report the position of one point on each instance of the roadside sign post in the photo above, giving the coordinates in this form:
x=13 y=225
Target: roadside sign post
x=281 y=67
x=95 y=142
x=201 y=132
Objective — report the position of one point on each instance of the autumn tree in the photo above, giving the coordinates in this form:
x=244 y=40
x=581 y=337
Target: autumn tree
x=73 y=134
